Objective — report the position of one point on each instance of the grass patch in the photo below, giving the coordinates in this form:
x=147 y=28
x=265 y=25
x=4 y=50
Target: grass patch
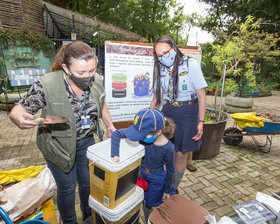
x=260 y=186
x=210 y=166
x=232 y=169
x=235 y=181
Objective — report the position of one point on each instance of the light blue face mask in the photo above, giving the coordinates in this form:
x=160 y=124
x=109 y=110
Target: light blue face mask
x=150 y=139
x=168 y=60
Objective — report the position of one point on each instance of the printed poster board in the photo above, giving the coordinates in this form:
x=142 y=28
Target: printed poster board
x=129 y=77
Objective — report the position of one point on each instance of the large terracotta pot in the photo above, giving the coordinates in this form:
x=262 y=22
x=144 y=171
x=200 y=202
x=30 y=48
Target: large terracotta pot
x=211 y=139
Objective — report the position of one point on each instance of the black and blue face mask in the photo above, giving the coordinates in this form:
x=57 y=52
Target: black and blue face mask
x=83 y=83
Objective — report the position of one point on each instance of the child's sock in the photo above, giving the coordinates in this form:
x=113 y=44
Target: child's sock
x=146 y=212
x=177 y=179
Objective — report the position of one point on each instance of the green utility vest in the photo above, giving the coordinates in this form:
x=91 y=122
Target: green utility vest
x=57 y=142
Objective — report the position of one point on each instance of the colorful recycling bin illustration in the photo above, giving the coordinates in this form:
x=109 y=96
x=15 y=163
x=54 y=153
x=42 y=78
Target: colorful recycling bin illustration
x=119 y=85
x=141 y=84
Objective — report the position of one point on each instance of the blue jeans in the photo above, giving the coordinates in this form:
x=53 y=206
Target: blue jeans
x=66 y=183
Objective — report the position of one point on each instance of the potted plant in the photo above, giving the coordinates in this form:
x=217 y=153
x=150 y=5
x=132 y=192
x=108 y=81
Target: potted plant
x=213 y=131
x=244 y=51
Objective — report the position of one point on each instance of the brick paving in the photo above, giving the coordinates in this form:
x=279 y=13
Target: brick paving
x=232 y=177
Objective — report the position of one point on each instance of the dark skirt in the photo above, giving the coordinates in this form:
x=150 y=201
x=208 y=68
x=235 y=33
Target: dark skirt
x=186 y=120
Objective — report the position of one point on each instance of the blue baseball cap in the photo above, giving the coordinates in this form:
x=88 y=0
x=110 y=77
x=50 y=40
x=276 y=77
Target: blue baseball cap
x=145 y=121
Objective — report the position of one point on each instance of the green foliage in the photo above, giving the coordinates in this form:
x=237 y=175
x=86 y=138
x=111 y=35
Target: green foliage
x=101 y=37
x=24 y=57
x=265 y=87
x=207 y=65
x=244 y=50
x=23 y=37
x=148 y=18
x=222 y=14
x=211 y=84
x=230 y=85
x=210 y=117
x=270 y=71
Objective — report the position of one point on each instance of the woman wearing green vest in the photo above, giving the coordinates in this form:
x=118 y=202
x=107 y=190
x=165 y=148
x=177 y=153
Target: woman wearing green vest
x=73 y=90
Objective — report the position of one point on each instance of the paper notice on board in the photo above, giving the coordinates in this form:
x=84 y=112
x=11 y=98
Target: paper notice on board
x=128 y=79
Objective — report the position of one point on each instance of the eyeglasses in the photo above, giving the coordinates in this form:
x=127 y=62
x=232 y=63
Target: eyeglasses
x=165 y=53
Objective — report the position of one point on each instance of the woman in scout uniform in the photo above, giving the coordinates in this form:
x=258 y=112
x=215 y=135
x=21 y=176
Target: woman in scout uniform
x=73 y=90
x=179 y=86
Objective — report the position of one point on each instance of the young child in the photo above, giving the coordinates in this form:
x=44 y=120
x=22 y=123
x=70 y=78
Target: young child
x=152 y=129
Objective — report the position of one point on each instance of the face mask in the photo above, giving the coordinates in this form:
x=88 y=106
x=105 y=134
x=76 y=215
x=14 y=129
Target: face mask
x=83 y=83
x=150 y=139
x=168 y=60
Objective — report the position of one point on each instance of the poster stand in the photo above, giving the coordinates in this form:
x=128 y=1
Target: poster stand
x=122 y=124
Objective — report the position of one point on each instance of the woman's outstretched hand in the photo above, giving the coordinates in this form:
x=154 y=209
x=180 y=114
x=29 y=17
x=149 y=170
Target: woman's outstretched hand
x=22 y=118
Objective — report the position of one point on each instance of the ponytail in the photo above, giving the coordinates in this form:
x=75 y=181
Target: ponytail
x=59 y=58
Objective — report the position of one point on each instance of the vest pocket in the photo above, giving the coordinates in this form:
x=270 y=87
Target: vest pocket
x=58 y=155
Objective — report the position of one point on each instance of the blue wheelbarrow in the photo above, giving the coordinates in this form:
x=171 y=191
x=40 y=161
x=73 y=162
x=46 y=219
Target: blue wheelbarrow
x=7 y=219
x=234 y=136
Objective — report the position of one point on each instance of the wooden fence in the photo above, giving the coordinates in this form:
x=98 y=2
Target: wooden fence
x=22 y=13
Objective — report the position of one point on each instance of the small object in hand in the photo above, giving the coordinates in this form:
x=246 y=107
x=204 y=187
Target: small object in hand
x=50 y=120
x=55 y=120
x=37 y=120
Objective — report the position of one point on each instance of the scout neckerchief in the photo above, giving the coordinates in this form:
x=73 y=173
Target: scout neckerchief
x=170 y=92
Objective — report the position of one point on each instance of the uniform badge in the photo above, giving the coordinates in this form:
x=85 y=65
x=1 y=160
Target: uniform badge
x=183 y=73
x=85 y=120
x=184 y=87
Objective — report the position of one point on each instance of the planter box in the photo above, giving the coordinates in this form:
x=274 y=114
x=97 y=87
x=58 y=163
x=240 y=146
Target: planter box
x=211 y=139
x=238 y=104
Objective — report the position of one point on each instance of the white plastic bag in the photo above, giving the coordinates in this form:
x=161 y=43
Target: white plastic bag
x=270 y=202
x=23 y=198
x=224 y=220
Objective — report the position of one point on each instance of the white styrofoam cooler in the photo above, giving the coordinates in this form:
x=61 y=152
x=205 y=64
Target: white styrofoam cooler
x=114 y=215
x=130 y=152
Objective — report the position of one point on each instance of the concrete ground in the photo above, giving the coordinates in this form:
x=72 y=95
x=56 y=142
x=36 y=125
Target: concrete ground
x=234 y=176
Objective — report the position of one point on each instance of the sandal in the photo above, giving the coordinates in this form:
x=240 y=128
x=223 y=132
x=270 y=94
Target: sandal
x=191 y=168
